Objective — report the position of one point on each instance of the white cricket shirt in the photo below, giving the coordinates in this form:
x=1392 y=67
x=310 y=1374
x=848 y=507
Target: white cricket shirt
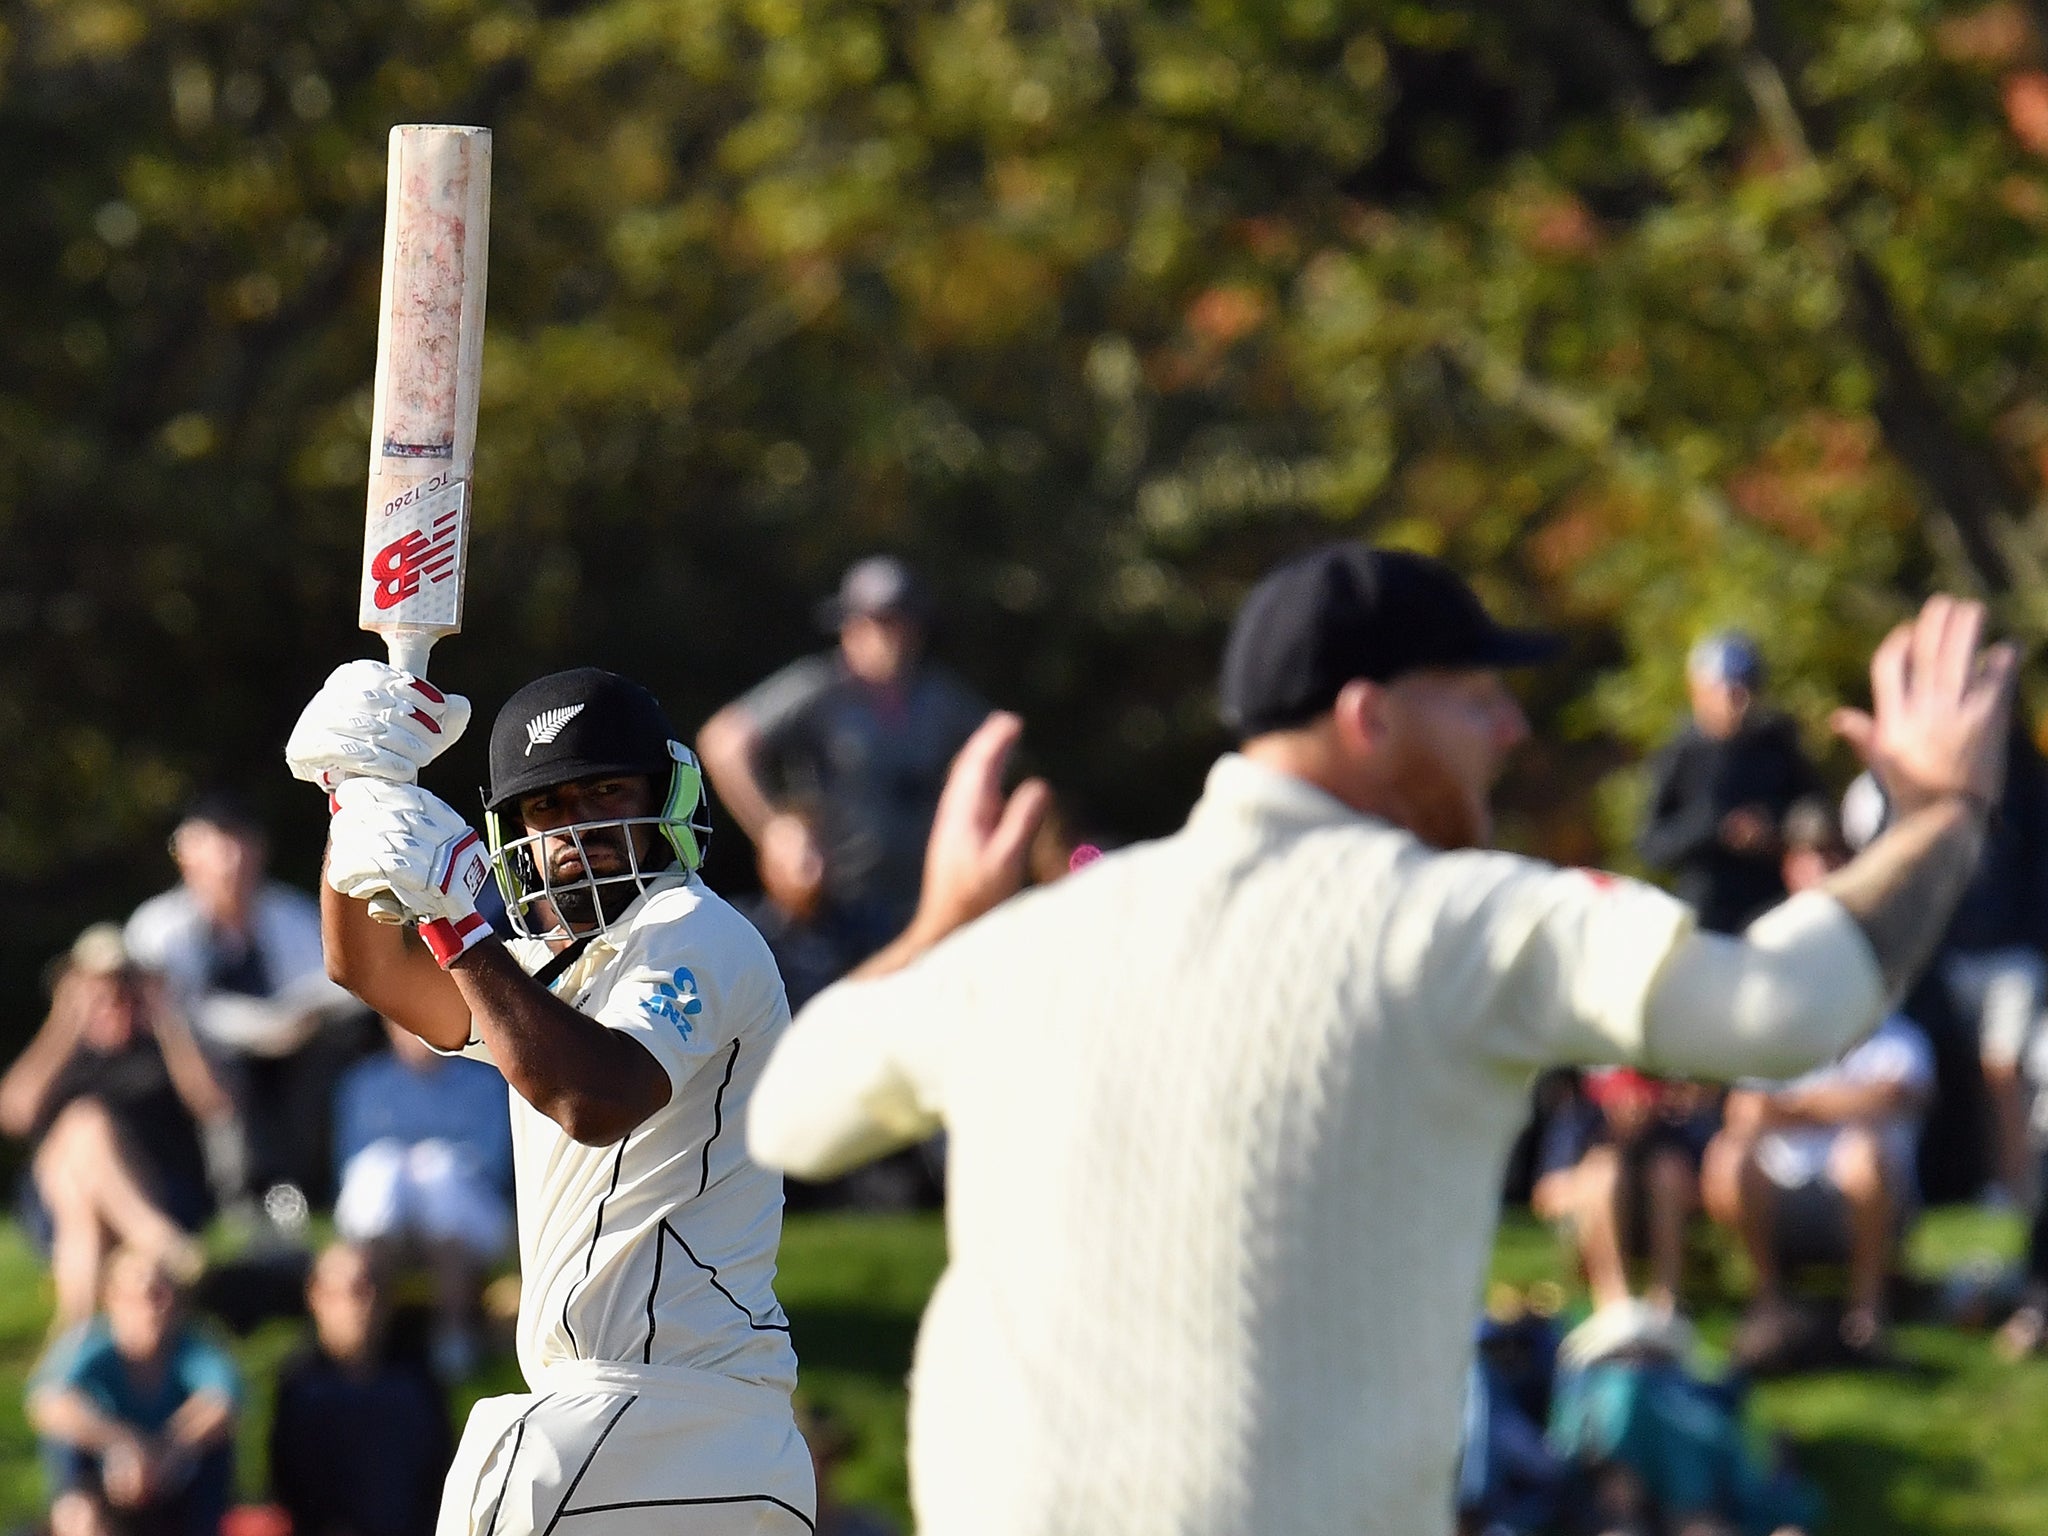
x=1227 y=1119
x=660 y=1250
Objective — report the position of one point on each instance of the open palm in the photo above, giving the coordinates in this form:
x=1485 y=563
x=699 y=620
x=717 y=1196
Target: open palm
x=1940 y=702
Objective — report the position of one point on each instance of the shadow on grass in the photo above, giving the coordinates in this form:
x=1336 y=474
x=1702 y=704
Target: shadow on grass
x=867 y=1341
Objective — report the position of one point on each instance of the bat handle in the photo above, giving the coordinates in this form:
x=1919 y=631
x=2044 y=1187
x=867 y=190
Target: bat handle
x=405 y=649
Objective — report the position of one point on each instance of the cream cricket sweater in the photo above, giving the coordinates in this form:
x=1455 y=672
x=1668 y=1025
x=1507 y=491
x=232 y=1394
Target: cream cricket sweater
x=1227 y=1116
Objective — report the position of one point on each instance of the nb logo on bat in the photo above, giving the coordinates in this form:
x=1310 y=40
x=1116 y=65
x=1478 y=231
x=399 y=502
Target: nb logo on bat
x=413 y=557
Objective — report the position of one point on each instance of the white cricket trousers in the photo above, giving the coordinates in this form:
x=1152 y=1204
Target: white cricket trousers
x=605 y=1449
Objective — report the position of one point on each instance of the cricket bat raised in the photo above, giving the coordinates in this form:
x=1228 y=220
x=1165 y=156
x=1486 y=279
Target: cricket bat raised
x=430 y=343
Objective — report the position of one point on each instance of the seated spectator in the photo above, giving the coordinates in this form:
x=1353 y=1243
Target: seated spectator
x=137 y=1415
x=1820 y=1169
x=360 y=1444
x=110 y=1094
x=424 y=1145
x=829 y=1442
x=1666 y=1449
x=1509 y=1481
x=1619 y=1171
x=242 y=956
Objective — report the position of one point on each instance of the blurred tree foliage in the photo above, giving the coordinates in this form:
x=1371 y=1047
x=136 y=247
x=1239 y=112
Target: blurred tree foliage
x=1652 y=316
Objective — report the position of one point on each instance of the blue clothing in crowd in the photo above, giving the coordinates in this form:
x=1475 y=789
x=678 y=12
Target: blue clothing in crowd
x=464 y=1102
x=85 y=1360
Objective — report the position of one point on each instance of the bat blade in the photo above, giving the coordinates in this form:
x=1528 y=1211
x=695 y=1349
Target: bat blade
x=430 y=335
x=430 y=347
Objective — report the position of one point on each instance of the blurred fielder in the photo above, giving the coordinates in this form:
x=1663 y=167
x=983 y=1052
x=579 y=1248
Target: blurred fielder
x=632 y=1019
x=1228 y=1112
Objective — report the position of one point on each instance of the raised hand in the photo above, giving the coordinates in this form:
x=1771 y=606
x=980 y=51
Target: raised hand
x=373 y=721
x=980 y=845
x=1940 y=705
x=397 y=840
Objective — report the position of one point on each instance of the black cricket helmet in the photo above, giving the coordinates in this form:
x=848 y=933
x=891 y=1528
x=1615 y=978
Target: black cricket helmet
x=582 y=724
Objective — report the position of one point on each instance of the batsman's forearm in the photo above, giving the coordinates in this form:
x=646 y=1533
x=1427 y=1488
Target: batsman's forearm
x=594 y=1082
x=1904 y=887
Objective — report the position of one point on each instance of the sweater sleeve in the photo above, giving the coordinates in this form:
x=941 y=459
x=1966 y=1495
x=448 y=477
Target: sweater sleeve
x=1799 y=987
x=861 y=1070
x=1530 y=965
x=852 y=1079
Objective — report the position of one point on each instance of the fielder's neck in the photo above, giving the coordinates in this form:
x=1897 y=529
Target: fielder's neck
x=1315 y=755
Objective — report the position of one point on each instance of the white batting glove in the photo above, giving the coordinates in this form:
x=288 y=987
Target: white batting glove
x=397 y=839
x=372 y=721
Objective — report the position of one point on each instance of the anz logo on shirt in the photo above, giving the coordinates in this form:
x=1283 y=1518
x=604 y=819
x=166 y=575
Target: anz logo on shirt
x=674 y=1000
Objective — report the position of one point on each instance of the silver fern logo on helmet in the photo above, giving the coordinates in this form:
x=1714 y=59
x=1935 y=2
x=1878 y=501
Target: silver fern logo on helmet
x=544 y=727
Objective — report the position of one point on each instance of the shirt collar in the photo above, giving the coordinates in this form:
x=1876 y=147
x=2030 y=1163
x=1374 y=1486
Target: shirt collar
x=1239 y=788
x=611 y=938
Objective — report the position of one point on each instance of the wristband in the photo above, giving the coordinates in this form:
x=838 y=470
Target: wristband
x=448 y=939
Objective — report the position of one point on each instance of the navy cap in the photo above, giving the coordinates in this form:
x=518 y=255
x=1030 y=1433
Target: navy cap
x=1728 y=656
x=574 y=725
x=1351 y=611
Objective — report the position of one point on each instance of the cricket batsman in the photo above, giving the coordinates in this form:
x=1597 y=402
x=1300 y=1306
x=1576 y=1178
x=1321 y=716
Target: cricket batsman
x=631 y=1017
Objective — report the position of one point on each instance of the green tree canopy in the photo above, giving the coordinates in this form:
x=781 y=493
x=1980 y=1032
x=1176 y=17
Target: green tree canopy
x=1650 y=316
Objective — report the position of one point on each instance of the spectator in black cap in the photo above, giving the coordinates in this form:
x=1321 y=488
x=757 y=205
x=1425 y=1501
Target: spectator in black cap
x=1720 y=789
x=240 y=953
x=836 y=761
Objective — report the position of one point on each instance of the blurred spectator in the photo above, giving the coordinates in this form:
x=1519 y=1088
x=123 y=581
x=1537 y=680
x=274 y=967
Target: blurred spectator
x=110 y=1094
x=424 y=1145
x=1992 y=964
x=830 y=1443
x=360 y=1444
x=1820 y=1169
x=862 y=735
x=1719 y=790
x=137 y=1415
x=1510 y=1483
x=1620 y=1171
x=242 y=955
x=1666 y=1449
x=795 y=913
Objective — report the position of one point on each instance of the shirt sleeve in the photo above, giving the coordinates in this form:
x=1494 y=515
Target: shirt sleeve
x=777 y=705
x=201 y=1366
x=64 y=1363
x=1537 y=966
x=686 y=991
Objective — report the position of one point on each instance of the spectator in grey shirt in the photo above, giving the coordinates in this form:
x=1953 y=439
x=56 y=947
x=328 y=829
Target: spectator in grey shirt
x=861 y=736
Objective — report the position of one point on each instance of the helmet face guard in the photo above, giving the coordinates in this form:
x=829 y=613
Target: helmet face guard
x=592 y=900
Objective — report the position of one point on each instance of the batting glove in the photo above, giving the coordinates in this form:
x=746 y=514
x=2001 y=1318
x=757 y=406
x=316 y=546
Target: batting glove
x=372 y=721
x=398 y=839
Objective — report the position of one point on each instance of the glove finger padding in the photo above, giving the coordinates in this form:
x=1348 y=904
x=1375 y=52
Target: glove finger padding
x=370 y=720
x=401 y=839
